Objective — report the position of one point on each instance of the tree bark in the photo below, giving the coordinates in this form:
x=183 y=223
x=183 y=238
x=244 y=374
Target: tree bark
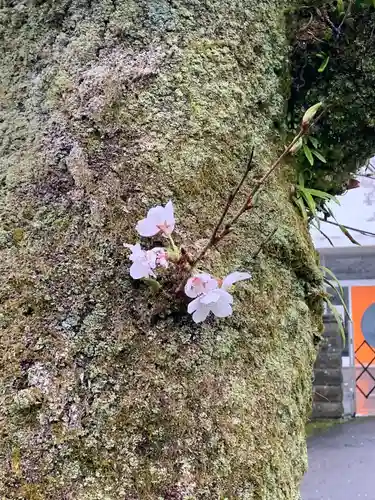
x=108 y=392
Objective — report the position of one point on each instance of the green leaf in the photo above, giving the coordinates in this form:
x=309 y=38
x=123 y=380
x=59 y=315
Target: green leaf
x=333 y=276
x=323 y=66
x=340 y=6
x=321 y=55
x=299 y=203
x=314 y=141
x=301 y=180
x=337 y=317
x=324 y=195
x=308 y=154
x=348 y=235
x=153 y=284
x=339 y=295
x=309 y=201
x=319 y=156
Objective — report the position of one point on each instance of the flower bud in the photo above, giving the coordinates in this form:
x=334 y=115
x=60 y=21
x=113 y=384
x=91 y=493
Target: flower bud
x=310 y=113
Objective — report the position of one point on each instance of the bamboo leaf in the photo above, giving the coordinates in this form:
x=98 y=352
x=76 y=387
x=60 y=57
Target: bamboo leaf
x=319 y=156
x=338 y=319
x=308 y=154
x=323 y=66
x=324 y=195
x=333 y=276
x=301 y=180
x=314 y=141
x=309 y=200
x=299 y=203
x=348 y=235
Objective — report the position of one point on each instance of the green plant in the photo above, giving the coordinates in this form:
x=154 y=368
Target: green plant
x=335 y=285
x=325 y=60
x=328 y=211
x=305 y=200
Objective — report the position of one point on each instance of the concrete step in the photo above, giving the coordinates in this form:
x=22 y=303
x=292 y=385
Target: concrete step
x=327 y=410
x=328 y=359
x=327 y=376
x=328 y=393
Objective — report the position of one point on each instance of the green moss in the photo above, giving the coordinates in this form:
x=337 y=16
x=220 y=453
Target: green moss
x=130 y=104
x=319 y=426
x=346 y=130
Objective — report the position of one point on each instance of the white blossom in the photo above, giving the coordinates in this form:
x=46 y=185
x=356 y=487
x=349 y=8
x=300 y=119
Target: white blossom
x=200 y=284
x=145 y=261
x=217 y=301
x=232 y=278
x=209 y=296
x=158 y=219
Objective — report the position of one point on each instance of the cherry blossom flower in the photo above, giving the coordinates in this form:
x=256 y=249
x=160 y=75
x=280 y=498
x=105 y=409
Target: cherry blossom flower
x=200 y=284
x=145 y=261
x=210 y=297
x=158 y=219
x=217 y=301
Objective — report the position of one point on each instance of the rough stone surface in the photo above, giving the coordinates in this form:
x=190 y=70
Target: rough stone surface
x=328 y=376
x=107 y=108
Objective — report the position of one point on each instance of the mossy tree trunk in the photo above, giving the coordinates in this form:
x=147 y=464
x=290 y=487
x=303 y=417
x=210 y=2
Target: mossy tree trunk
x=109 y=107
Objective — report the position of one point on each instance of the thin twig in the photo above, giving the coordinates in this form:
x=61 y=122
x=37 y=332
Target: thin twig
x=345 y=16
x=325 y=235
x=231 y=197
x=248 y=205
x=361 y=231
x=367 y=176
x=249 y=201
x=264 y=242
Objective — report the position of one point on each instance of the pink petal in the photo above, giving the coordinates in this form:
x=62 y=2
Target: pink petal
x=193 y=305
x=138 y=270
x=146 y=227
x=190 y=289
x=221 y=309
x=233 y=278
x=210 y=297
x=201 y=314
x=156 y=214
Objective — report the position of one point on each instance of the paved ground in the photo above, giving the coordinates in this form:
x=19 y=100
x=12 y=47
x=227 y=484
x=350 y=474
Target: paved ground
x=342 y=463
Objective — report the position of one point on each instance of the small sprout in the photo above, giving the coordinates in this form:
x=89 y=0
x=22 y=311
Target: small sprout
x=324 y=64
x=297 y=146
x=310 y=113
x=153 y=284
x=159 y=219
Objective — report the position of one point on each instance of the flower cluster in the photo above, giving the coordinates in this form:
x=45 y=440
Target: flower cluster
x=209 y=294
x=159 y=220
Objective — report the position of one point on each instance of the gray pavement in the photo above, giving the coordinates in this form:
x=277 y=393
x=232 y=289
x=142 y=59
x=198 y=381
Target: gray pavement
x=342 y=463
